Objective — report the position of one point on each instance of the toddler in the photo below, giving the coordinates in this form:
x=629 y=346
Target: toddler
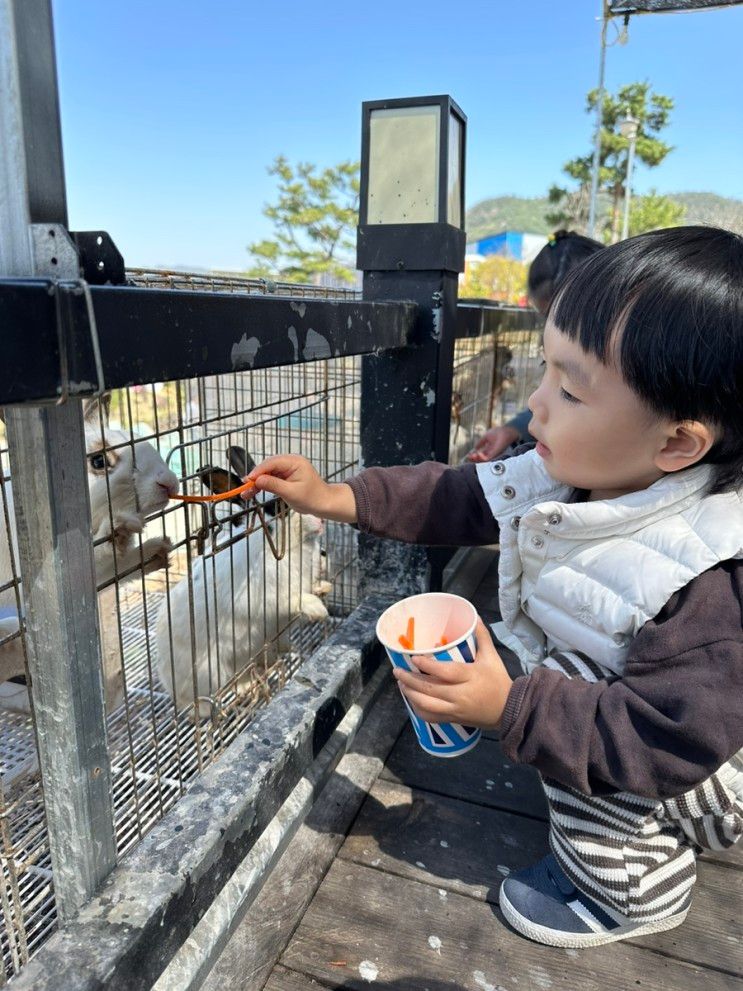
x=621 y=583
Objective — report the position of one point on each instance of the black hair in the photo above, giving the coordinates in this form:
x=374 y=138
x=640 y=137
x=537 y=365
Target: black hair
x=676 y=296
x=559 y=256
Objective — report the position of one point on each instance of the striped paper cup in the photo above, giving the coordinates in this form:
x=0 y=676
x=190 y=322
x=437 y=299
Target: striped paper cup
x=444 y=628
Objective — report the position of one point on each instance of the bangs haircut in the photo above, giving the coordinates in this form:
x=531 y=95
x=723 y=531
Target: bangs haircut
x=667 y=308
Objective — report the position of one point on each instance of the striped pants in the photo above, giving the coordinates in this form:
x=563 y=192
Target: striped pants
x=637 y=855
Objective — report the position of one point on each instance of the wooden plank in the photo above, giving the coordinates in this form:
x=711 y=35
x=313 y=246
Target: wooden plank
x=401 y=832
x=467 y=570
x=482 y=776
x=486 y=777
x=403 y=936
x=732 y=857
x=441 y=841
x=282 y=979
x=486 y=598
x=713 y=932
x=262 y=935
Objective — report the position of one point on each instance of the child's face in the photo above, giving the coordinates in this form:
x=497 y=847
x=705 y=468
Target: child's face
x=593 y=431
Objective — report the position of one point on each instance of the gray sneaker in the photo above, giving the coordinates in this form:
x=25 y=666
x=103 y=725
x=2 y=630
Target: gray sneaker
x=544 y=905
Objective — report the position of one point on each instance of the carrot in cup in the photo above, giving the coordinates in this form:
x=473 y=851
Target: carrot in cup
x=407 y=639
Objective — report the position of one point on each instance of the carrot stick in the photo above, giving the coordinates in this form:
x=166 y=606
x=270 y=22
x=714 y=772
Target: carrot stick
x=404 y=642
x=410 y=632
x=219 y=496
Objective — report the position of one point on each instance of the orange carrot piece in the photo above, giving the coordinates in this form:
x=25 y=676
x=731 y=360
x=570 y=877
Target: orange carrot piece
x=404 y=642
x=410 y=632
x=219 y=496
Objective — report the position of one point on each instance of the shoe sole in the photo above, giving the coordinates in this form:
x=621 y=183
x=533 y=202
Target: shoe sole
x=553 y=937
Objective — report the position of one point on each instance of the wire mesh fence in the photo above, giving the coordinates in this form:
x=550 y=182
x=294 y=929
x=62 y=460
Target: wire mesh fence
x=26 y=890
x=155 y=278
x=495 y=372
x=205 y=610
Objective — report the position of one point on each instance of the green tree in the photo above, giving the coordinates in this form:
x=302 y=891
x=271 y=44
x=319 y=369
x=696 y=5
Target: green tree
x=652 y=212
x=495 y=277
x=652 y=111
x=314 y=219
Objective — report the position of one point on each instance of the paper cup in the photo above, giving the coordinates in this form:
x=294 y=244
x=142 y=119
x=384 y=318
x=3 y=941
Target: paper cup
x=438 y=617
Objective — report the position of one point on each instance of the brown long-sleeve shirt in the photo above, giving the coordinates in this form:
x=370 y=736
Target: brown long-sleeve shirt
x=669 y=722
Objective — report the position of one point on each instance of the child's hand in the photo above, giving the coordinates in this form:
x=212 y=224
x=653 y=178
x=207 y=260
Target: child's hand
x=449 y=692
x=296 y=481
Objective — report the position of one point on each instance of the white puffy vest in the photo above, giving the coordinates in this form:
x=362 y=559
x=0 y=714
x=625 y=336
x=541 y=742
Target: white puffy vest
x=587 y=576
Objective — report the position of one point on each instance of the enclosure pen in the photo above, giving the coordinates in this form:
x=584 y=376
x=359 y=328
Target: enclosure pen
x=496 y=367
x=142 y=638
x=156 y=745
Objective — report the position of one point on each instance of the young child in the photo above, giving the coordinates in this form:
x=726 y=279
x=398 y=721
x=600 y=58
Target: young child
x=562 y=252
x=621 y=583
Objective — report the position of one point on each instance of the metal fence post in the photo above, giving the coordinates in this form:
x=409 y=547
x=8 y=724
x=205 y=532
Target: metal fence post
x=49 y=480
x=406 y=394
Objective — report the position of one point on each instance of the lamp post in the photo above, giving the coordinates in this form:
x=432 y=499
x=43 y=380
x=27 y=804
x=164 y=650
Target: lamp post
x=625 y=8
x=410 y=246
x=621 y=39
x=597 y=128
x=628 y=127
x=412 y=170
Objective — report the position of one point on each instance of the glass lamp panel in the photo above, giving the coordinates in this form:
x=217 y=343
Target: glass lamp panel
x=404 y=166
x=454 y=180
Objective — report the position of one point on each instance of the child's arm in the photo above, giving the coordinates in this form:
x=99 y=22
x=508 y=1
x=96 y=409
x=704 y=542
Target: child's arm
x=666 y=725
x=663 y=728
x=429 y=503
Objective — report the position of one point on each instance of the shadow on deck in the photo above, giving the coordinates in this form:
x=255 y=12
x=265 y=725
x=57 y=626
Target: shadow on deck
x=392 y=882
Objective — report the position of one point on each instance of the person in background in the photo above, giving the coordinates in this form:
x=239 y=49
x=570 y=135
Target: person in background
x=562 y=252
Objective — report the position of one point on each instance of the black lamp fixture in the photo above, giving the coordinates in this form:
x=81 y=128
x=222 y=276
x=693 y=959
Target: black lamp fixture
x=411 y=212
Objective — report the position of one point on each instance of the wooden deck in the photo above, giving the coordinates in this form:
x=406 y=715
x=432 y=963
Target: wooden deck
x=392 y=883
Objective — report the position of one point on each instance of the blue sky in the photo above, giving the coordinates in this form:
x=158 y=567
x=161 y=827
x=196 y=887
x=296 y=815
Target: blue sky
x=172 y=109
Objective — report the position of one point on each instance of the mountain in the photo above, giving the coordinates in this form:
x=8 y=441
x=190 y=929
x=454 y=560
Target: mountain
x=522 y=213
x=503 y=213
x=709 y=208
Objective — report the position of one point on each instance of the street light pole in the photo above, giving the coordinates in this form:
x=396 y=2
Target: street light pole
x=628 y=127
x=599 y=122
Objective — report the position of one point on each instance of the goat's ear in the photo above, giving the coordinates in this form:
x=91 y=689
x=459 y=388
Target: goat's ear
x=96 y=407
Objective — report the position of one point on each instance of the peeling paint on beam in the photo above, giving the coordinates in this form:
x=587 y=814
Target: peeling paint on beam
x=123 y=939
x=158 y=335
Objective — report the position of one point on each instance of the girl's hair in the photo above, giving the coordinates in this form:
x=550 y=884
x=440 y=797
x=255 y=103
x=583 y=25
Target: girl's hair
x=672 y=300
x=559 y=256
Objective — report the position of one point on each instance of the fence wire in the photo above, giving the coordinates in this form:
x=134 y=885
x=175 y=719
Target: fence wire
x=495 y=372
x=200 y=623
x=205 y=611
